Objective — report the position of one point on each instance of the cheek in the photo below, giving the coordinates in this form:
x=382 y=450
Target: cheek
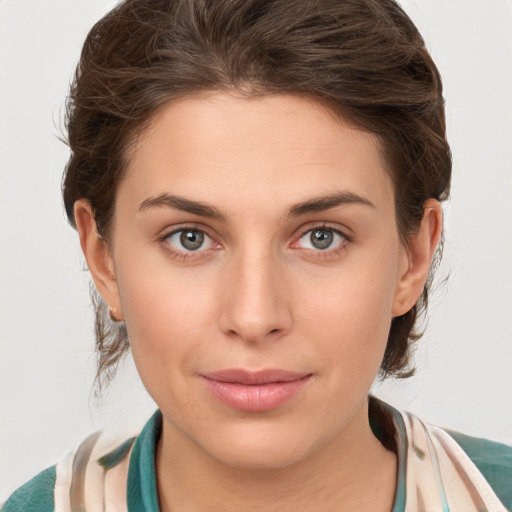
x=350 y=314
x=168 y=315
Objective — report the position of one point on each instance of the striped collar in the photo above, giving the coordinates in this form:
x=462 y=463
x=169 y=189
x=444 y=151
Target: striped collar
x=434 y=472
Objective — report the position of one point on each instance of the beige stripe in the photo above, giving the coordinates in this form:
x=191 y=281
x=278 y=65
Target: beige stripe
x=421 y=501
x=472 y=490
x=423 y=493
x=82 y=456
x=116 y=480
x=478 y=481
x=64 y=470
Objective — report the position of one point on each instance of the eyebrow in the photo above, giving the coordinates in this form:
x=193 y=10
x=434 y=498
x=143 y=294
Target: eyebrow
x=182 y=204
x=323 y=203
x=317 y=204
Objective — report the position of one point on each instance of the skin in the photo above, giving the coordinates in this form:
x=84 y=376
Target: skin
x=258 y=294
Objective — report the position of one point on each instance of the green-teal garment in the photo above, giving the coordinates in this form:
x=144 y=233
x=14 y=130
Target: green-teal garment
x=438 y=470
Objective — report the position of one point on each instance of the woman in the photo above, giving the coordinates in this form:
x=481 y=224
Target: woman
x=257 y=188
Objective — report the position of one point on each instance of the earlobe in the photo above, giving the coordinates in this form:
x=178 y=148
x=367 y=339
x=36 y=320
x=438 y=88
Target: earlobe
x=98 y=256
x=419 y=254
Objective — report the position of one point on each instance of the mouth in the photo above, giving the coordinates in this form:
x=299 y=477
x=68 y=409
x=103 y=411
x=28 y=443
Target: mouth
x=259 y=391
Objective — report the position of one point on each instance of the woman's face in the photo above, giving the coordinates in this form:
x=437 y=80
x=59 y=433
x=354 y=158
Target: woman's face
x=257 y=266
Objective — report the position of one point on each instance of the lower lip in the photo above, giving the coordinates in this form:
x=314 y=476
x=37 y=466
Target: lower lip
x=256 y=398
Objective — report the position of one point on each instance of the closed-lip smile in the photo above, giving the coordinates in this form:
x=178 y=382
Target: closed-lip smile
x=255 y=391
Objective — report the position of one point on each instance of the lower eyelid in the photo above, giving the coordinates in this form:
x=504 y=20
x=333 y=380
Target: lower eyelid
x=187 y=255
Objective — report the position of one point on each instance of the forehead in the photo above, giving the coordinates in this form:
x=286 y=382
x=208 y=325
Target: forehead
x=262 y=152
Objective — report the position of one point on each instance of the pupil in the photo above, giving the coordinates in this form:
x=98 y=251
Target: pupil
x=321 y=239
x=192 y=240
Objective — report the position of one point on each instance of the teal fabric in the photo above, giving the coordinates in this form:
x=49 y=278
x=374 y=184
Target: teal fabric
x=142 y=494
x=494 y=461
x=34 y=496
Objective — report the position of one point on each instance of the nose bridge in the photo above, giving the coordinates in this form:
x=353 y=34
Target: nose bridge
x=254 y=305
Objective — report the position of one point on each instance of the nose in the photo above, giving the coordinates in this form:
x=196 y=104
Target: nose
x=255 y=299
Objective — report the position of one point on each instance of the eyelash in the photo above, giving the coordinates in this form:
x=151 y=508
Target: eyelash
x=186 y=255
x=191 y=255
x=326 y=253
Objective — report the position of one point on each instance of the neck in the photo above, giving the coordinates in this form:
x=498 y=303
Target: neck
x=353 y=472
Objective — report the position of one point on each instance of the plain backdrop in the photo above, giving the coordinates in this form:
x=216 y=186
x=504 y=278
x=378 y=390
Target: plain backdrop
x=47 y=361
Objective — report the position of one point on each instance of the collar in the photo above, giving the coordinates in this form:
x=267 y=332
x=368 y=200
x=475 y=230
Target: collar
x=142 y=492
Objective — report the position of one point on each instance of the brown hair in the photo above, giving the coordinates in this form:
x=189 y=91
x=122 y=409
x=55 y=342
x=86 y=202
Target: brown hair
x=364 y=59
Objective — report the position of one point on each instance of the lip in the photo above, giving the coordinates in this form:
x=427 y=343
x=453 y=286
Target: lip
x=258 y=391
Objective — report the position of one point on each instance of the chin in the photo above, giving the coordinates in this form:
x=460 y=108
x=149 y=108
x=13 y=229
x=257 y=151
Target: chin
x=260 y=447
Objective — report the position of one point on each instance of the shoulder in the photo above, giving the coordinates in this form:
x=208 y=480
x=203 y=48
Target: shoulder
x=471 y=469
x=101 y=470
x=37 y=495
x=441 y=469
x=102 y=463
x=493 y=460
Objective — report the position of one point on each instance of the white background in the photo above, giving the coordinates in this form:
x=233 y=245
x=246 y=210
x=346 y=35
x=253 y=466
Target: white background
x=47 y=362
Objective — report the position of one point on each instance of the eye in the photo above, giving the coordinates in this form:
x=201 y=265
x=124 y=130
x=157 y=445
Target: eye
x=321 y=239
x=189 y=240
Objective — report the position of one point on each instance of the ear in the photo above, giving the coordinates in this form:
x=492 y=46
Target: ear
x=419 y=252
x=98 y=256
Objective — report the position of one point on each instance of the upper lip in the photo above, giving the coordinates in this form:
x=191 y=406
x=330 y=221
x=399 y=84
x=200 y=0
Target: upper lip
x=252 y=378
